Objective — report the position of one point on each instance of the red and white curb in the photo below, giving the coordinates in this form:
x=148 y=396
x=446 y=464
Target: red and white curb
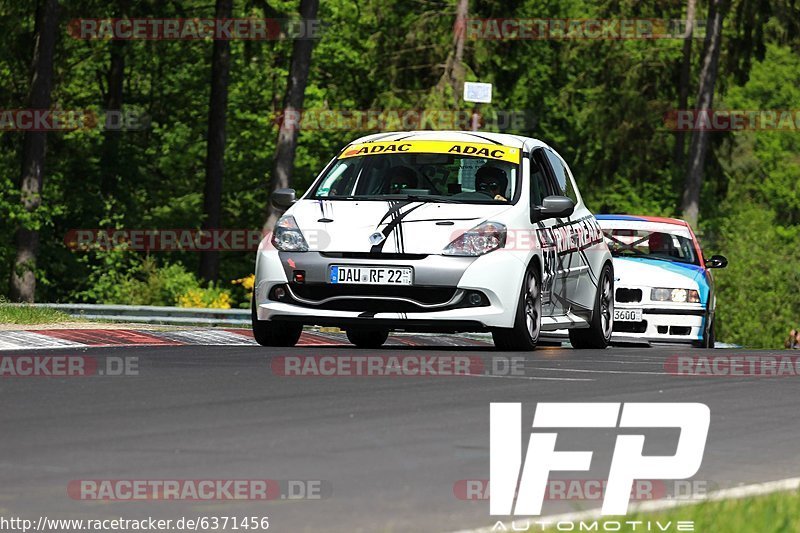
x=87 y=338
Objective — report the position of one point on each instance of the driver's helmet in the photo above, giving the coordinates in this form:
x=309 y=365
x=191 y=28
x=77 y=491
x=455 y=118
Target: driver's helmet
x=492 y=180
x=660 y=243
x=401 y=177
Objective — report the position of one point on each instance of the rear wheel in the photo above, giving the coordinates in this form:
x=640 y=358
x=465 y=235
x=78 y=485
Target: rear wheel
x=367 y=338
x=274 y=332
x=528 y=321
x=598 y=334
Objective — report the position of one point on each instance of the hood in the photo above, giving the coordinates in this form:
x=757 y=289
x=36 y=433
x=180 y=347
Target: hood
x=655 y=273
x=409 y=227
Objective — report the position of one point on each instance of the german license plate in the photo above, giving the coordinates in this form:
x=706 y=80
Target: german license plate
x=628 y=315
x=366 y=275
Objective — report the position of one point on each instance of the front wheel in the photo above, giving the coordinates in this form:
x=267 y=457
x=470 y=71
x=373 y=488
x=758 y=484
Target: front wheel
x=598 y=335
x=274 y=333
x=367 y=338
x=528 y=321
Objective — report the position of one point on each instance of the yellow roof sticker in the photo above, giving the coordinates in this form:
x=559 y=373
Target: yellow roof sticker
x=489 y=151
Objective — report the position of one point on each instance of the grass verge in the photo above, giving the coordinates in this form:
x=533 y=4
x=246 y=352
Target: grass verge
x=778 y=512
x=28 y=314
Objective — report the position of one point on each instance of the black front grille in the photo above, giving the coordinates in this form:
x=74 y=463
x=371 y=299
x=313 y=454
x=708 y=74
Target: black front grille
x=320 y=291
x=354 y=294
x=370 y=255
x=630 y=327
x=629 y=295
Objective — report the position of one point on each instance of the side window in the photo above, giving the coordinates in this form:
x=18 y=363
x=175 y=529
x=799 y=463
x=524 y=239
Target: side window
x=562 y=177
x=539 y=182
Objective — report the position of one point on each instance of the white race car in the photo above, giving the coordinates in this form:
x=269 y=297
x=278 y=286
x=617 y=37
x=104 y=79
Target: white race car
x=664 y=289
x=437 y=231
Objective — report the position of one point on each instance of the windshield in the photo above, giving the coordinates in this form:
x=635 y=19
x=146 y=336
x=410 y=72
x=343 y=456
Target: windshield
x=667 y=246
x=436 y=171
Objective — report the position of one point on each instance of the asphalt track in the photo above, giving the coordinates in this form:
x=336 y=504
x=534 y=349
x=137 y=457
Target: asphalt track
x=391 y=448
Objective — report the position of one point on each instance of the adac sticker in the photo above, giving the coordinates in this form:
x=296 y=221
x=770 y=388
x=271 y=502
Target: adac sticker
x=488 y=151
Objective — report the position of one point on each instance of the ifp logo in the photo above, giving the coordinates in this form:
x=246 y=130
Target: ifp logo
x=627 y=462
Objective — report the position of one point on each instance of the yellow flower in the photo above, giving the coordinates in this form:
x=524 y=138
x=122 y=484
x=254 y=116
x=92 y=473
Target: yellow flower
x=247 y=282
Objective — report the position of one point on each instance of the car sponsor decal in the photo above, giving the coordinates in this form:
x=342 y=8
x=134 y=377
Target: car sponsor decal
x=570 y=237
x=488 y=151
x=559 y=242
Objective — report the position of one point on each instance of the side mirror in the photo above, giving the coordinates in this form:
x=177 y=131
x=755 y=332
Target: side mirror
x=554 y=207
x=284 y=198
x=717 y=261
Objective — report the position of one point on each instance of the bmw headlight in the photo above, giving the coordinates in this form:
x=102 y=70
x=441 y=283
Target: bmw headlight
x=674 y=295
x=479 y=240
x=287 y=236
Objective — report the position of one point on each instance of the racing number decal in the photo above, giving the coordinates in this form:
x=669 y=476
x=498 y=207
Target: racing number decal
x=549 y=258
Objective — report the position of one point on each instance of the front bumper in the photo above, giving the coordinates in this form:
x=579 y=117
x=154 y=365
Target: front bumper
x=668 y=324
x=439 y=300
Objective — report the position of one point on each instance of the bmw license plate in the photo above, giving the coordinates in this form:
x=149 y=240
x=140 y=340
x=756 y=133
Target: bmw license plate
x=366 y=275
x=627 y=315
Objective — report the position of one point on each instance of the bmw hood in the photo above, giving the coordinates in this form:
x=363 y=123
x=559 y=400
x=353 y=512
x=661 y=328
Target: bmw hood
x=387 y=226
x=633 y=271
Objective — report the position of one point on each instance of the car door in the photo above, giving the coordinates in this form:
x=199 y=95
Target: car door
x=573 y=267
x=541 y=186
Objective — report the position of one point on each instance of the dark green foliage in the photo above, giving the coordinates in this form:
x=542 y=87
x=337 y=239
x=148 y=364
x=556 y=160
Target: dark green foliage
x=600 y=102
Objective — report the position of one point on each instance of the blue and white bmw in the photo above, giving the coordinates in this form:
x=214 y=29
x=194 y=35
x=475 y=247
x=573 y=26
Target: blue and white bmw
x=664 y=288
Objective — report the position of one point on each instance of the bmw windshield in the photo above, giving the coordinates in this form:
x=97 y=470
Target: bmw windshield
x=643 y=244
x=435 y=171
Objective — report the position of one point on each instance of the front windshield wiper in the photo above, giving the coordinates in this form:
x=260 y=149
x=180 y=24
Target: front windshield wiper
x=430 y=198
x=425 y=198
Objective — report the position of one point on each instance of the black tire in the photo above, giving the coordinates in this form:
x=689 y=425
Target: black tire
x=528 y=322
x=598 y=334
x=709 y=335
x=274 y=332
x=367 y=338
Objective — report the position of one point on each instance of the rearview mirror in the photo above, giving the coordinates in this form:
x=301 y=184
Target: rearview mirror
x=717 y=261
x=554 y=207
x=284 y=198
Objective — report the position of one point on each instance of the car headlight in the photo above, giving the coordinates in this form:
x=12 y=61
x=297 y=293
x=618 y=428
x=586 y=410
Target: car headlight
x=287 y=236
x=479 y=240
x=674 y=295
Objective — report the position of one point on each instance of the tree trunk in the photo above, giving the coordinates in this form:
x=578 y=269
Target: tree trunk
x=457 y=72
x=454 y=72
x=23 y=277
x=212 y=195
x=690 y=204
x=292 y=106
x=683 y=88
x=109 y=159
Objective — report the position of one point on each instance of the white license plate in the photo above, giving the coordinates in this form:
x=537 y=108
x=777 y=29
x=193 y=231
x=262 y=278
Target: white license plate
x=365 y=275
x=628 y=315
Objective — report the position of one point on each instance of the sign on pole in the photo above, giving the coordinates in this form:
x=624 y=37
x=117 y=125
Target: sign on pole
x=478 y=92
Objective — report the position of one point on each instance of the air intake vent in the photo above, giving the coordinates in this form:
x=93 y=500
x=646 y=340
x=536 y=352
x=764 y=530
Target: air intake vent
x=629 y=295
